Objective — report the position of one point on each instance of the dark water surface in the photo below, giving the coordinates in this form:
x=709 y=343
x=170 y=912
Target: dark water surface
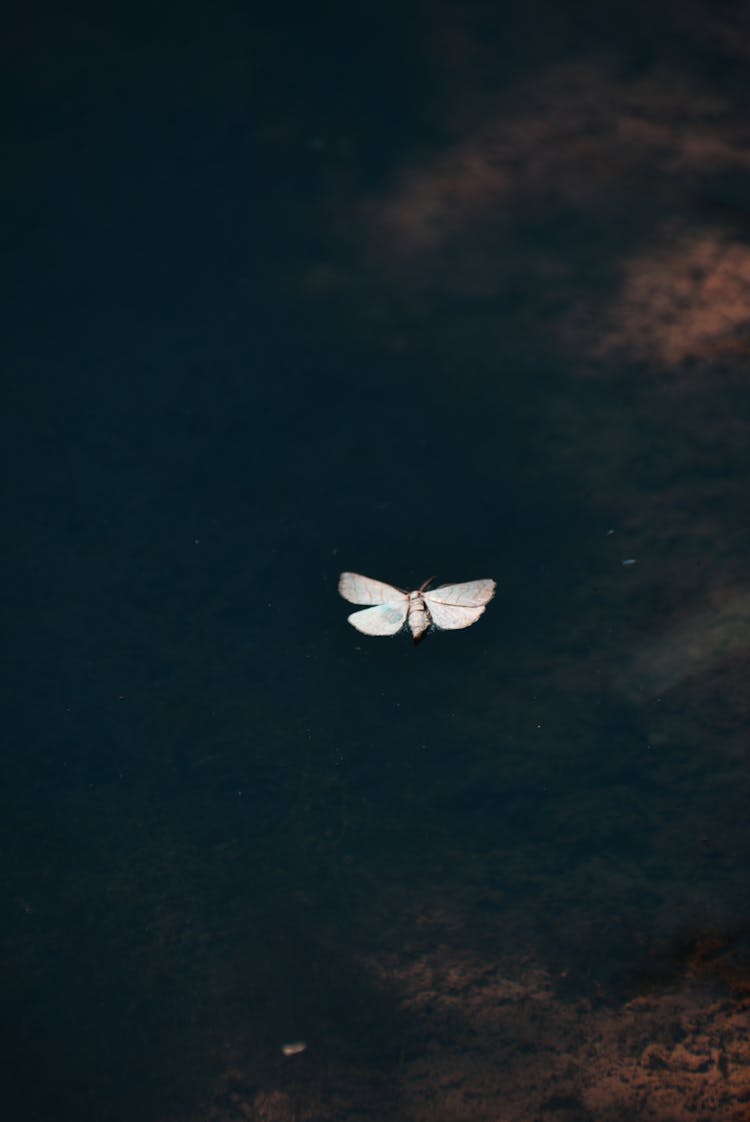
x=443 y=290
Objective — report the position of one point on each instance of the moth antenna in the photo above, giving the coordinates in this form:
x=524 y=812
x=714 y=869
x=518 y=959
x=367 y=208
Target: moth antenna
x=426 y=584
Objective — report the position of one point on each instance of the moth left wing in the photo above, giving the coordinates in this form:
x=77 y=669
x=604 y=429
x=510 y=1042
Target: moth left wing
x=383 y=619
x=364 y=590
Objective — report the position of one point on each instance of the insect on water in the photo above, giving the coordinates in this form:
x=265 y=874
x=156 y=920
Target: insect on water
x=447 y=608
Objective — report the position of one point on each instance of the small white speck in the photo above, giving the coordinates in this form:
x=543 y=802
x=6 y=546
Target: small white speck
x=294 y=1048
x=630 y=561
x=610 y=532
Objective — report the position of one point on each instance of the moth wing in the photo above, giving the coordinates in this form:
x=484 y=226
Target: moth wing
x=383 y=619
x=452 y=617
x=470 y=594
x=364 y=590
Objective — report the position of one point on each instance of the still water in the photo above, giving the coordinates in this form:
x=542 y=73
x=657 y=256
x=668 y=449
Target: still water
x=446 y=290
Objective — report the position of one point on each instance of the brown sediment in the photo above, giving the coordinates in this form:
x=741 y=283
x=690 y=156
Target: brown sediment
x=491 y=1041
x=682 y=299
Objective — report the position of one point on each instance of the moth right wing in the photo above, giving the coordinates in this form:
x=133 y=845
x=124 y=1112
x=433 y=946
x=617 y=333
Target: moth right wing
x=364 y=590
x=454 y=606
x=469 y=594
x=452 y=617
x=383 y=619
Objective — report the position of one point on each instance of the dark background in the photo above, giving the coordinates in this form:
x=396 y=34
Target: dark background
x=294 y=290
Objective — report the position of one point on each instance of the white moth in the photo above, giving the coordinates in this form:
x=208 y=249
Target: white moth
x=448 y=608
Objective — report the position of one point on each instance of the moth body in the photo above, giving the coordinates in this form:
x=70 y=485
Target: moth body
x=419 y=616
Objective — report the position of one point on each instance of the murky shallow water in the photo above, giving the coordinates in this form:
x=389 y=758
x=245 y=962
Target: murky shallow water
x=281 y=309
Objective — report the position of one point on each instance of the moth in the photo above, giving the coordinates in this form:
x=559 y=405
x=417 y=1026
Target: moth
x=447 y=608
